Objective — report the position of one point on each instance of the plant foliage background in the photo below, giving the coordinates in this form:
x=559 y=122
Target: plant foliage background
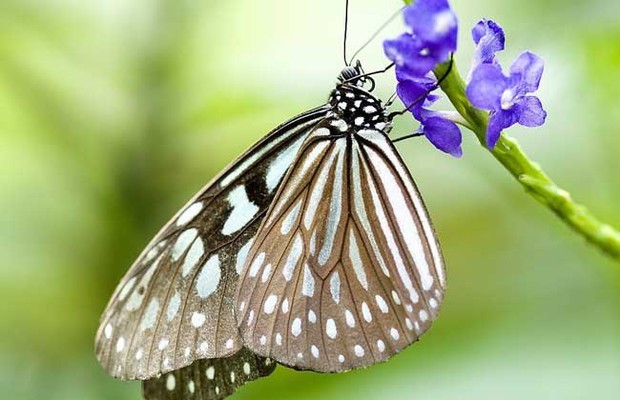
x=113 y=113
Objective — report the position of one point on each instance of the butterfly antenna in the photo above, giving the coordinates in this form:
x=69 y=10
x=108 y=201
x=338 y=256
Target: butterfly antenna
x=374 y=35
x=346 y=29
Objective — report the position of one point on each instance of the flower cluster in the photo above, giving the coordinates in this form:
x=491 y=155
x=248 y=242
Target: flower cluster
x=430 y=40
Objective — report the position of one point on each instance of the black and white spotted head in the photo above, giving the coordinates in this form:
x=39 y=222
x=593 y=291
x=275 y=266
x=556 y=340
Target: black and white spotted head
x=357 y=106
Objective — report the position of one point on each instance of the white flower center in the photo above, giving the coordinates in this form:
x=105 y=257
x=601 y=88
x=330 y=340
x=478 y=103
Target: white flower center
x=508 y=99
x=444 y=21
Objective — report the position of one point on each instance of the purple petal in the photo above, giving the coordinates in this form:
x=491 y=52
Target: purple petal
x=497 y=123
x=412 y=94
x=489 y=38
x=400 y=48
x=444 y=135
x=531 y=112
x=407 y=53
x=436 y=26
x=529 y=67
x=486 y=87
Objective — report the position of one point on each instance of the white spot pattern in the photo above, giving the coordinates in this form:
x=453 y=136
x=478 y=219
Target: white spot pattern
x=330 y=328
x=308 y=282
x=183 y=241
x=209 y=277
x=334 y=287
x=296 y=327
x=270 y=304
x=189 y=214
x=193 y=257
x=198 y=319
x=242 y=213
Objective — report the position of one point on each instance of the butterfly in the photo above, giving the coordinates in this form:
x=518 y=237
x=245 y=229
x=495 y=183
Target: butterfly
x=313 y=250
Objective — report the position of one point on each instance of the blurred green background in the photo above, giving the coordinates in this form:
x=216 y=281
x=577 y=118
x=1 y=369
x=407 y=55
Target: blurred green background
x=113 y=113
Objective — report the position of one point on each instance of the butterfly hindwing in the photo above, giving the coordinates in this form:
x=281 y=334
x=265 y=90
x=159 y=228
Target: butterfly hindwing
x=175 y=304
x=209 y=379
x=345 y=270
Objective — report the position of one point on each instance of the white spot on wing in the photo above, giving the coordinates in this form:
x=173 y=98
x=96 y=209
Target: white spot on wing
x=308 y=282
x=189 y=213
x=183 y=241
x=382 y=304
x=243 y=210
x=285 y=306
x=270 y=304
x=330 y=328
x=296 y=327
x=150 y=316
x=127 y=288
x=120 y=344
x=193 y=257
x=311 y=316
x=349 y=318
x=135 y=300
x=293 y=258
x=256 y=264
x=198 y=319
x=191 y=386
x=356 y=260
x=359 y=350
x=290 y=219
x=366 y=312
x=315 y=351
x=170 y=382
x=209 y=277
x=108 y=331
x=242 y=255
x=173 y=306
x=334 y=287
x=266 y=273
x=281 y=164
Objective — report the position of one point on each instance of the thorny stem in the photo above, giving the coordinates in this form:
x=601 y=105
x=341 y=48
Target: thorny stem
x=528 y=173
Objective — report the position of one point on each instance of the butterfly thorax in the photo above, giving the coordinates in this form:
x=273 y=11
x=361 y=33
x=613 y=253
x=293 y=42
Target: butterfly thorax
x=359 y=108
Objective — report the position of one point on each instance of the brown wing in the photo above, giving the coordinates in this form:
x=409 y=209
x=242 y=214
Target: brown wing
x=209 y=379
x=345 y=270
x=175 y=304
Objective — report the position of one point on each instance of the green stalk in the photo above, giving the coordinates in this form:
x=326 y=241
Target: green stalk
x=528 y=173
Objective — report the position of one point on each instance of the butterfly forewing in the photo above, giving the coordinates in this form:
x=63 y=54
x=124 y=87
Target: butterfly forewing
x=209 y=379
x=345 y=270
x=175 y=304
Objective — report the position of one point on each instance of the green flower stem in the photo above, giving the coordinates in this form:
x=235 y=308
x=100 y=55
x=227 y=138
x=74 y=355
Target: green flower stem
x=528 y=173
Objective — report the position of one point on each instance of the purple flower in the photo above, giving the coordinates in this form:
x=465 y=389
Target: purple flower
x=432 y=37
x=508 y=97
x=442 y=133
x=489 y=38
x=430 y=41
